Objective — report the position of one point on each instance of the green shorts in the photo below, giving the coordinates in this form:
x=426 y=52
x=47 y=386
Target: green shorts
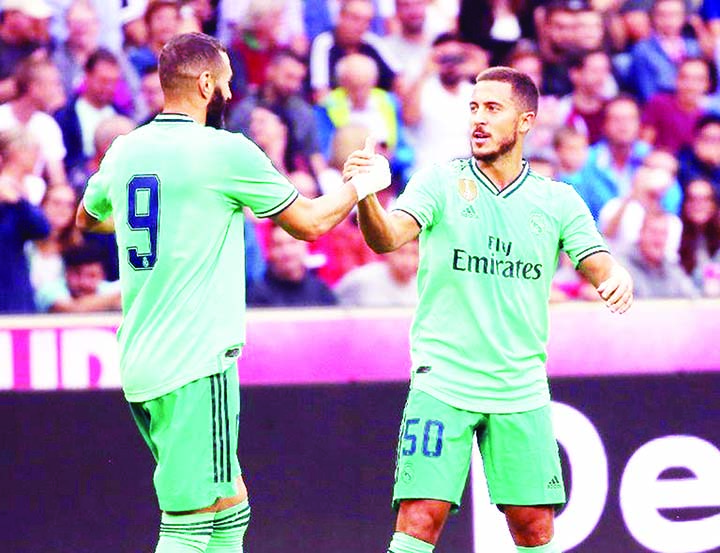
x=193 y=435
x=519 y=452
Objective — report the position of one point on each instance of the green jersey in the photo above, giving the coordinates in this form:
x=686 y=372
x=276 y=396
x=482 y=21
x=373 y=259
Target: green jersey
x=176 y=191
x=487 y=258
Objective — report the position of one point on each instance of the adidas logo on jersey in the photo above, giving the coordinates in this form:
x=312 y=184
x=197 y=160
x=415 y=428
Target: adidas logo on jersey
x=554 y=483
x=469 y=212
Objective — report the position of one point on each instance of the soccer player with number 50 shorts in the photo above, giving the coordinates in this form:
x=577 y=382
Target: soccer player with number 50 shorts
x=490 y=234
x=175 y=190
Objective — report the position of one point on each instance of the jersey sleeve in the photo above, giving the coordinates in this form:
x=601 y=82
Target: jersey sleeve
x=579 y=235
x=254 y=181
x=96 y=199
x=423 y=198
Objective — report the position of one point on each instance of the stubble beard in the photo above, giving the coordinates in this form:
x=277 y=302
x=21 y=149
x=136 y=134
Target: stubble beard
x=505 y=147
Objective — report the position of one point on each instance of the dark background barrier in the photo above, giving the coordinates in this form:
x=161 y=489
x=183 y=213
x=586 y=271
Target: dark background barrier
x=318 y=461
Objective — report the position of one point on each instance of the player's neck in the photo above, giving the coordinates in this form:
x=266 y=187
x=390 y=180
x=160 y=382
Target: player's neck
x=195 y=112
x=504 y=170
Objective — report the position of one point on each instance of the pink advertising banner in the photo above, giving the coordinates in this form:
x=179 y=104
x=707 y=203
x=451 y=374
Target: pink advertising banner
x=316 y=346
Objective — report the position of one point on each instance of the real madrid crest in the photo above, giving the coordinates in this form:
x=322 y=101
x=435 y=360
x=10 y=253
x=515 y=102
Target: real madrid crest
x=468 y=189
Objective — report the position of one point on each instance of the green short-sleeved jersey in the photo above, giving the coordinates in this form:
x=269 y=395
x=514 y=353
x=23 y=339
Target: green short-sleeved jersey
x=487 y=258
x=176 y=190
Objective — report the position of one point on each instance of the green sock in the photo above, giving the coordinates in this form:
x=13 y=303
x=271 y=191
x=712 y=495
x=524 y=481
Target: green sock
x=229 y=529
x=404 y=543
x=549 y=547
x=185 y=533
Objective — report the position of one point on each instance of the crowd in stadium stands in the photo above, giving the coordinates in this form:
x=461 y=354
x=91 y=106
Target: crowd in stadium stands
x=629 y=116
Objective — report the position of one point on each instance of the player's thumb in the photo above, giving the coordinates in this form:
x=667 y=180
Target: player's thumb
x=369 y=145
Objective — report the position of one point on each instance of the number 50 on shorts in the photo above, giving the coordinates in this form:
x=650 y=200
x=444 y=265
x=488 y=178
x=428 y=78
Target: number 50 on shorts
x=424 y=436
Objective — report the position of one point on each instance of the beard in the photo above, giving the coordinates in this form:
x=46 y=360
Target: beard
x=506 y=145
x=215 y=113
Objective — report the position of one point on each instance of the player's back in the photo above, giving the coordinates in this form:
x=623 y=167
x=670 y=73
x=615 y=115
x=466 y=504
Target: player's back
x=181 y=249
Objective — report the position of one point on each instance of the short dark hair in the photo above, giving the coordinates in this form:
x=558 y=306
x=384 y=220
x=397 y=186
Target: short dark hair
x=284 y=53
x=98 y=56
x=83 y=254
x=525 y=93
x=185 y=55
x=578 y=59
x=444 y=38
x=705 y=120
x=621 y=97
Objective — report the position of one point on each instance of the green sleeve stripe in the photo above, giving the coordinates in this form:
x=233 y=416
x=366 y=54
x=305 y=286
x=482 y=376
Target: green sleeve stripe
x=412 y=214
x=280 y=207
x=590 y=251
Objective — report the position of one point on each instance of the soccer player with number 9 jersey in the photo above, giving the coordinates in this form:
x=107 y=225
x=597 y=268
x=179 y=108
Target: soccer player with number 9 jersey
x=490 y=234
x=175 y=190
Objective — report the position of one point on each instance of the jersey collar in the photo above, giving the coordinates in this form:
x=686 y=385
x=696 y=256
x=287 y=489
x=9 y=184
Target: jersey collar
x=173 y=118
x=492 y=187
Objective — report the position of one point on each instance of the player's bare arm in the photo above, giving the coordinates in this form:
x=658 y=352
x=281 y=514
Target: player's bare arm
x=385 y=232
x=87 y=222
x=611 y=280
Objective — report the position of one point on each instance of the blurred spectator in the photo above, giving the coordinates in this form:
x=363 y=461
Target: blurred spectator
x=655 y=60
x=410 y=45
x=669 y=118
x=254 y=44
x=289 y=26
x=343 y=247
x=495 y=25
x=590 y=32
x=45 y=255
x=83 y=288
x=390 y=281
x=107 y=130
x=700 y=241
x=621 y=218
x=542 y=165
x=134 y=28
x=110 y=14
x=435 y=109
x=612 y=161
x=281 y=94
x=702 y=158
x=654 y=276
x=582 y=109
x=287 y=281
x=557 y=41
x=20 y=153
x=526 y=58
x=82 y=41
x=199 y=14
x=350 y=36
x=23 y=32
x=358 y=100
x=20 y=222
x=571 y=151
x=39 y=93
x=151 y=95
x=81 y=116
x=162 y=18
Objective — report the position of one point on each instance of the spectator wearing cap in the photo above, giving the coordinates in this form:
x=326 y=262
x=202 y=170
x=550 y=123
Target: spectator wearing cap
x=83 y=287
x=23 y=32
x=655 y=60
x=162 y=18
x=351 y=35
x=39 y=93
x=81 y=116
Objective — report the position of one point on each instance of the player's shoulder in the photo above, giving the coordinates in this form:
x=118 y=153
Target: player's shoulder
x=549 y=185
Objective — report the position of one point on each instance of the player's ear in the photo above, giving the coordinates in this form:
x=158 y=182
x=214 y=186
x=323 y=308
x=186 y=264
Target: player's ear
x=527 y=118
x=206 y=84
